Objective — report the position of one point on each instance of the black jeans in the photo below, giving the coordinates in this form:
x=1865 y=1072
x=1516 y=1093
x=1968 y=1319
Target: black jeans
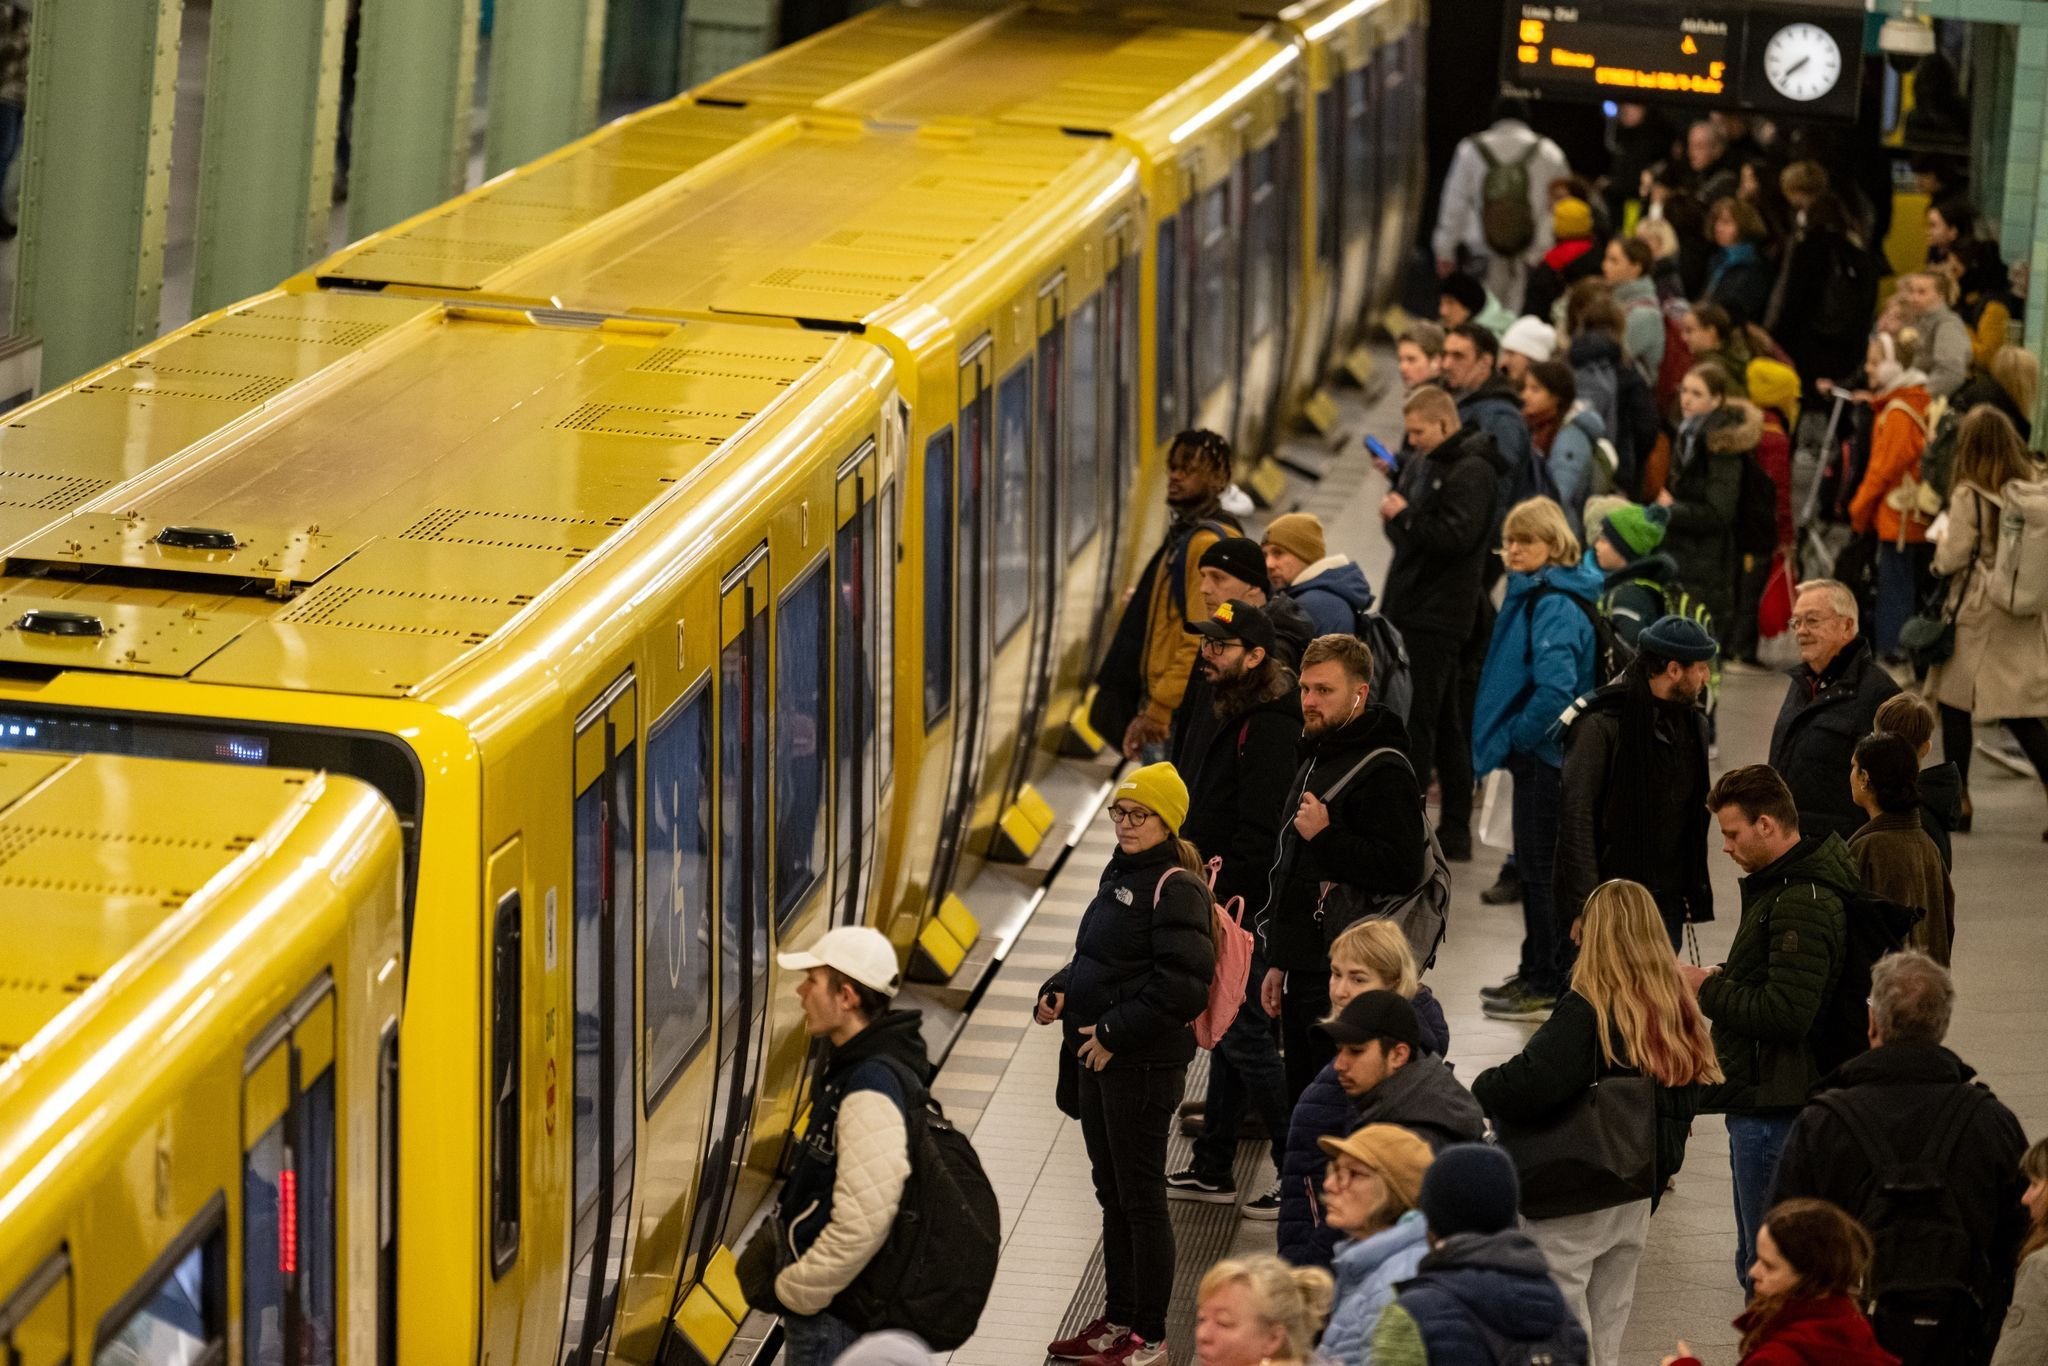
x=1244 y=1069
x=1957 y=741
x=1304 y=1003
x=1546 y=944
x=1752 y=576
x=1125 y=1115
x=1439 y=736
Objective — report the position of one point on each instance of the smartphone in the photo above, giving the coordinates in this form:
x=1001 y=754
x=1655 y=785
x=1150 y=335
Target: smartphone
x=1379 y=452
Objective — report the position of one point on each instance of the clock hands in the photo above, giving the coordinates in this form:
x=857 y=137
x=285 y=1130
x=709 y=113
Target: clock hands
x=1793 y=69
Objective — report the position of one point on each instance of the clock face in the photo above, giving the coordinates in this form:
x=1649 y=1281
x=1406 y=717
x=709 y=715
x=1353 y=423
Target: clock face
x=1803 y=62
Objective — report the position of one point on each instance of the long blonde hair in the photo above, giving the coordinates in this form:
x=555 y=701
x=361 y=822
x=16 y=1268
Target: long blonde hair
x=1295 y=1299
x=1627 y=973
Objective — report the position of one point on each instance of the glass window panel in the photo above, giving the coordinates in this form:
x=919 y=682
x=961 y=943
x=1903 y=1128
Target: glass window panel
x=1262 y=254
x=1212 y=318
x=587 y=950
x=885 y=635
x=506 y=1007
x=743 y=754
x=800 y=692
x=938 y=576
x=316 y=1228
x=1329 y=156
x=179 y=1324
x=677 y=957
x=1084 y=436
x=1167 y=420
x=1013 y=502
x=264 y=1278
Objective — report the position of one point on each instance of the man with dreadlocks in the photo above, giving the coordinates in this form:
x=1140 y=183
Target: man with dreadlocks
x=1146 y=671
x=1633 y=801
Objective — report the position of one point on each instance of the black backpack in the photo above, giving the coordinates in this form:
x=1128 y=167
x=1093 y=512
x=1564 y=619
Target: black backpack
x=1925 y=1277
x=1611 y=654
x=1391 y=685
x=1756 y=510
x=1874 y=927
x=933 y=1272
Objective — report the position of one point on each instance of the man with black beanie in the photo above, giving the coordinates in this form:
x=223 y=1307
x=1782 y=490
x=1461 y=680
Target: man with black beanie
x=1633 y=800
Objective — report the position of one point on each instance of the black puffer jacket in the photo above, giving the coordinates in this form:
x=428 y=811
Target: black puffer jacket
x=1141 y=970
x=1237 y=784
x=1815 y=736
x=1443 y=539
x=1375 y=840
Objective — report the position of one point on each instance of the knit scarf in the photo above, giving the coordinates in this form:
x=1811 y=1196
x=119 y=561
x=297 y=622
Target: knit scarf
x=1543 y=430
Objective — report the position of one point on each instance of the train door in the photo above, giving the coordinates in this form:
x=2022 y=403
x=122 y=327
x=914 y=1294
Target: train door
x=854 y=656
x=603 y=976
x=970 y=611
x=1218 y=238
x=289 y=1187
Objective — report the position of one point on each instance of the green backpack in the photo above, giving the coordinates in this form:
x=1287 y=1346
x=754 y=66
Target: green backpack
x=1505 y=218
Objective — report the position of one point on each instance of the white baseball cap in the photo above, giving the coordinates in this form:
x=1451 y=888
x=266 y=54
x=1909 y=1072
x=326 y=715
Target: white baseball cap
x=863 y=954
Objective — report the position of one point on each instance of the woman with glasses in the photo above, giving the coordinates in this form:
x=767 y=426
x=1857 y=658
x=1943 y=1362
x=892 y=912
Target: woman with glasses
x=1369 y=1194
x=1143 y=959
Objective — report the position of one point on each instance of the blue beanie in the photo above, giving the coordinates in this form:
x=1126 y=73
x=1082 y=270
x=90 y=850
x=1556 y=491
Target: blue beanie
x=1470 y=1188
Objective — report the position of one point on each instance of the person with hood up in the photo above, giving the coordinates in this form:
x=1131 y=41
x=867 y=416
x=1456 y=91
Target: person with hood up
x=1740 y=279
x=1442 y=535
x=1329 y=588
x=1145 y=671
x=1890 y=499
x=1485 y=396
x=1143 y=959
x=1540 y=659
x=1766 y=1001
x=1483 y=1281
x=1941 y=785
x=1774 y=389
x=1462 y=299
x=1633 y=594
x=1565 y=434
x=1633 y=797
x=1373 y=955
x=843 y=1193
x=1370 y=1188
x=1574 y=256
x=1356 y=819
x=1716 y=435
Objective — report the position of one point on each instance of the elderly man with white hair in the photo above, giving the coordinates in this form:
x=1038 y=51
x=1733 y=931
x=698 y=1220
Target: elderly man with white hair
x=1831 y=704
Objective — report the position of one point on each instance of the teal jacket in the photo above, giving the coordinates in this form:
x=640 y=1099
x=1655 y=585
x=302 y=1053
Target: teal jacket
x=1539 y=662
x=1781 y=971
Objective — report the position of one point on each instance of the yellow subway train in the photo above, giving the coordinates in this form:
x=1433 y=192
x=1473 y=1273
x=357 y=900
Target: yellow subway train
x=698 y=537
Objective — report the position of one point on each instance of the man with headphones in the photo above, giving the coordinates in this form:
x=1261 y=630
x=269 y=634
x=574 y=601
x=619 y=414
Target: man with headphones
x=1354 y=817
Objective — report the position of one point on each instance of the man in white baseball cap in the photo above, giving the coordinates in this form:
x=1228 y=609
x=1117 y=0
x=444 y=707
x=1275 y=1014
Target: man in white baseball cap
x=853 y=1161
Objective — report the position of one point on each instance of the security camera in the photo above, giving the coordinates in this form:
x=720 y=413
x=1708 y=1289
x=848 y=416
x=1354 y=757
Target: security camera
x=1904 y=40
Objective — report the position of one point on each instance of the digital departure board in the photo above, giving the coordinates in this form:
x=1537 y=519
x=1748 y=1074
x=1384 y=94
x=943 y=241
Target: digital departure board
x=1802 y=60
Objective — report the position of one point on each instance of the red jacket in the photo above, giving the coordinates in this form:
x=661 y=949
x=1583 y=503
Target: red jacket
x=1566 y=252
x=1774 y=457
x=1815 y=1332
x=1897 y=440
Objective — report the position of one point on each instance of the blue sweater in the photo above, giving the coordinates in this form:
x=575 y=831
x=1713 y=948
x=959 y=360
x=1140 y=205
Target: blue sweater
x=1324 y=1108
x=1367 y=1271
x=1540 y=661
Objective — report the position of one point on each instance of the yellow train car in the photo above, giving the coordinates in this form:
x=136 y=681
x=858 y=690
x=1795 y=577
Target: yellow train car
x=199 y=1076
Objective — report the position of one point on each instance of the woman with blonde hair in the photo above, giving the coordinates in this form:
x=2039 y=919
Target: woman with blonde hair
x=1540 y=660
x=1259 y=1311
x=1628 y=1011
x=2023 y=1341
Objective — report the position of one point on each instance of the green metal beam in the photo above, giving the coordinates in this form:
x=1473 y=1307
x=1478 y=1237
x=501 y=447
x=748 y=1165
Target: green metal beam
x=266 y=161
x=415 y=83
x=103 y=78
x=719 y=35
x=551 y=53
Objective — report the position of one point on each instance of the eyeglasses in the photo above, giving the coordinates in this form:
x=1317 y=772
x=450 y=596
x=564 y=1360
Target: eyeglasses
x=1219 y=648
x=1128 y=815
x=1801 y=623
x=1343 y=1174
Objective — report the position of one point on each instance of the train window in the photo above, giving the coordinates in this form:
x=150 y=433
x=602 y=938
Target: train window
x=1166 y=420
x=1329 y=172
x=938 y=577
x=177 y=1313
x=743 y=813
x=677 y=955
x=35 y=1321
x=1012 y=513
x=1213 y=353
x=1358 y=154
x=1084 y=434
x=885 y=632
x=288 y=1192
x=801 y=683
x=506 y=1007
x=387 y=1197
x=853 y=693
x=1262 y=254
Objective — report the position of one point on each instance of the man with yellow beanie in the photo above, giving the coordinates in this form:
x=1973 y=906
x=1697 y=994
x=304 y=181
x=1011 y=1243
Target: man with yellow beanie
x=1329 y=588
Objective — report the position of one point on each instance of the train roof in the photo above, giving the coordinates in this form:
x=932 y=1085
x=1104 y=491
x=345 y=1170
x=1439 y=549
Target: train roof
x=107 y=860
x=806 y=72
x=369 y=525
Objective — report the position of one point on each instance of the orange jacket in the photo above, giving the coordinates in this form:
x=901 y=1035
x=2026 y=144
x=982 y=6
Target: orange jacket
x=1897 y=439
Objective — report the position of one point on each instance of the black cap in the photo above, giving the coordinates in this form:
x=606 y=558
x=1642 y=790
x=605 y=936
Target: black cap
x=1239 y=620
x=1241 y=558
x=1375 y=1015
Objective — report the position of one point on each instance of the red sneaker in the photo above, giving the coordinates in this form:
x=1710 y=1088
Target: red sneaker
x=1096 y=1337
x=1130 y=1350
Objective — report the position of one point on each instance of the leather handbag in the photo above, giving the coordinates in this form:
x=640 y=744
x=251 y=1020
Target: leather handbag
x=1598 y=1151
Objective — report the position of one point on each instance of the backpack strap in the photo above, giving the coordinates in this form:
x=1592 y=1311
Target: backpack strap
x=1877 y=1149
x=1359 y=767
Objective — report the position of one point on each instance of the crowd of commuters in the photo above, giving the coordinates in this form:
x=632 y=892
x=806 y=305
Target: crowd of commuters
x=1591 y=513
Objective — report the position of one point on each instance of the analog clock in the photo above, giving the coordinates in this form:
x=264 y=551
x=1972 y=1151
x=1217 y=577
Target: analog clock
x=1803 y=62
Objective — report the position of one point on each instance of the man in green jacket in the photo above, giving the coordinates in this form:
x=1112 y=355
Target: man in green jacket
x=1782 y=971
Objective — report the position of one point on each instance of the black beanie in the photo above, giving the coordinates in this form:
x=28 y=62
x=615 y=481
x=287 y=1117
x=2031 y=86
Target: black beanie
x=1467 y=290
x=1241 y=558
x=1470 y=1188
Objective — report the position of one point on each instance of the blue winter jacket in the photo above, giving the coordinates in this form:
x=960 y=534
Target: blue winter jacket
x=1332 y=591
x=1572 y=452
x=1324 y=1108
x=1367 y=1271
x=1540 y=661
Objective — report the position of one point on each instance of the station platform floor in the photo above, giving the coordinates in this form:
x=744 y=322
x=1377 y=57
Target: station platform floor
x=998 y=1080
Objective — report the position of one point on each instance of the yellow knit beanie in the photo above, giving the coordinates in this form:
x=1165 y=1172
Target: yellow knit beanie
x=1159 y=789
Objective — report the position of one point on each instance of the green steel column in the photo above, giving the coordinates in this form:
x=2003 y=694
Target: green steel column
x=266 y=161
x=415 y=83
x=103 y=78
x=719 y=35
x=550 y=52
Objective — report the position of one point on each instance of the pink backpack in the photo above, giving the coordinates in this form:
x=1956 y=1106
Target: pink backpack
x=1233 y=960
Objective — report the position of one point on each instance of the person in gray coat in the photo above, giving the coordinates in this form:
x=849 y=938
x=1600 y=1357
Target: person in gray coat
x=1941 y=350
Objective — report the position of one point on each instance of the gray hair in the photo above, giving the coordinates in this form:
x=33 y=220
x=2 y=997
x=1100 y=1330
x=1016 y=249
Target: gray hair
x=1840 y=597
x=1911 y=998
